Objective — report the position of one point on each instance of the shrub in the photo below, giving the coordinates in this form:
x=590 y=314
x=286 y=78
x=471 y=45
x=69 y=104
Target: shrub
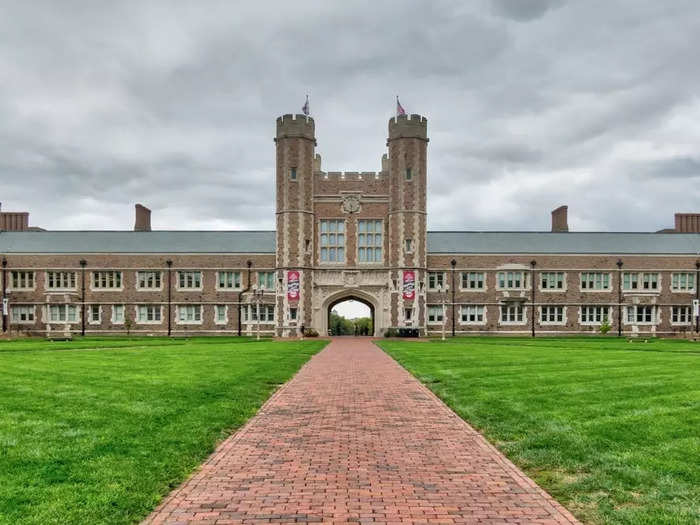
x=391 y=332
x=310 y=332
x=605 y=328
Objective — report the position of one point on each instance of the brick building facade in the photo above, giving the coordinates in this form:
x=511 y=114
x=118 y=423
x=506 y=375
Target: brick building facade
x=359 y=235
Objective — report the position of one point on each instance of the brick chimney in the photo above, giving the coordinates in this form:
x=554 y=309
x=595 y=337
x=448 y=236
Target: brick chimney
x=143 y=219
x=687 y=222
x=560 y=221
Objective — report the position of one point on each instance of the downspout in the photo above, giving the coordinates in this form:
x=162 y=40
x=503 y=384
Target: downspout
x=453 y=262
x=170 y=295
x=83 y=262
x=532 y=285
x=4 y=295
x=619 y=297
x=240 y=295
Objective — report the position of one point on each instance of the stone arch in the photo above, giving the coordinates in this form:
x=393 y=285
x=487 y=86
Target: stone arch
x=344 y=295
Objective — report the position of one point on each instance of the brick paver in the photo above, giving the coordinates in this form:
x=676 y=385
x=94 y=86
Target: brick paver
x=354 y=438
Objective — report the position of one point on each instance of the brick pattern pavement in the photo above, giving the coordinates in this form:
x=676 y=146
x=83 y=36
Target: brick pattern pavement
x=354 y=438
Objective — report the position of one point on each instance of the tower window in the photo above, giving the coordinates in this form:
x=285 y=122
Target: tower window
x=292 y=173
x=409 y=174
x=409 y=245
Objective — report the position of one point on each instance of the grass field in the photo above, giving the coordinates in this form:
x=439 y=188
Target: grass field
x=98 y=430
x=610 y=428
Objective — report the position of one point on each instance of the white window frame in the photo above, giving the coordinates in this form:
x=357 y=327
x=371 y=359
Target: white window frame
x=218 y=308
x=156 y=308
x=437 y=312
x=332 y=230
x=90 y=312
x=523 y=316
x=504 y=277
x=61 y=276
x=641 y=281
x=545 y=315
x=603 y=279
x=249 y=312
x=552 y=277
x=18 y=280
x=675 y=311
x=19 y=310
x=466 y=278
x=114 y=311
x=229 y=276
x=634 y=308
x=363 y=227
x=475 y=310
x=267 y=283
x=191 y=312
x=71 y=313
x=436 y=281
x=604 y=317
x=678 y=287
x=116 y=276
x=190 y=276
x=293 y=318
x=148 y=276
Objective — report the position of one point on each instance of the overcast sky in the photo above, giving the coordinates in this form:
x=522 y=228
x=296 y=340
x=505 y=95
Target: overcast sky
x=530 y=103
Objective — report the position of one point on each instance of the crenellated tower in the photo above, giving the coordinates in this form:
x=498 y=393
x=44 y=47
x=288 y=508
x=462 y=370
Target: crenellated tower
x=295 y=142
x=407 y=143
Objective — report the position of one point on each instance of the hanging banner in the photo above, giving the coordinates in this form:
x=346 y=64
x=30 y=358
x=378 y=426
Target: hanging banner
x=293 y=285
x=409 y=285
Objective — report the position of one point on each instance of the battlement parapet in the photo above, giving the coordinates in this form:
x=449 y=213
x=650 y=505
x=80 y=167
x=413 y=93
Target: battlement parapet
x=295 y=126
x=351 y=175
x=408 y=126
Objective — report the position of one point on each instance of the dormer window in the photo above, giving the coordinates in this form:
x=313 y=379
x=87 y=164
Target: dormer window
x=292 y=174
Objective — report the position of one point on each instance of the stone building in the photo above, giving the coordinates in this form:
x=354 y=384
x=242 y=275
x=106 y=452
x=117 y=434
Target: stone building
x=343 y=235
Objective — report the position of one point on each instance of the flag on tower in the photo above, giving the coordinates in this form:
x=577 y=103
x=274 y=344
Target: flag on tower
x=399 y=107
x=305 y=107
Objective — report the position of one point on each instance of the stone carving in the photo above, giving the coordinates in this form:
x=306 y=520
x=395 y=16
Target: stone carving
x=351 y=203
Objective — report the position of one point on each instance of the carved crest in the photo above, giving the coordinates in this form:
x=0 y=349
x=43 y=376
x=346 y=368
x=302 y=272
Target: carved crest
x=351 y=203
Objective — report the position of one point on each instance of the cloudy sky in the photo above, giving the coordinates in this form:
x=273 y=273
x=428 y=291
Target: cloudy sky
x=531 y=104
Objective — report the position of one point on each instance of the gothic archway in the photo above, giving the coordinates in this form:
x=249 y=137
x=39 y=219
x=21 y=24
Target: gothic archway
x=350 y=298
x=345 y=295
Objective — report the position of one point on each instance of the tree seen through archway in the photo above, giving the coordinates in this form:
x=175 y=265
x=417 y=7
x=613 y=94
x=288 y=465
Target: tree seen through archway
x=350 y=317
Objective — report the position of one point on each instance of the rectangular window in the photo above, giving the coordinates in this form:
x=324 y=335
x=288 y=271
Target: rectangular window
x=630 y=281
x=22 y=280
x=650 y=281
x=511 y=280
x=95 y=313
x=292 y=314
x=63 y=313
x=472 y=314
x=189 y=313
x=683 y=282
x=680 y=315
x=266 y=280
x=189 y=280
x=595 y=281
x=408 y=245
x=369 y=240
x=436 y=281
x=117 y=313
x=148 y=313
x=512 y=313
x=267 y=313
x=552 y=314
x=60 y=280
x=552 y=280
x=641 y=314
x=229 y=281
x=435 y=314
x=20 y=313
x=220 y=314
x=595 y=314
x=148 y=280
x=472 y=280
x=292 y=174
x=407 y=314
x=409 y=174
x=106 y=280
x=332 y=240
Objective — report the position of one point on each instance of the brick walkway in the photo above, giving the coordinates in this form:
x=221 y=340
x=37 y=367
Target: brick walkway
x=355 y=438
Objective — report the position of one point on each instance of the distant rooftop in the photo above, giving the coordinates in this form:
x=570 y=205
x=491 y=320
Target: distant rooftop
x=447 y=242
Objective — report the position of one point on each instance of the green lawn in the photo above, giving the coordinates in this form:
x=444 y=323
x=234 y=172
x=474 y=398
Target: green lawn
x=609 y=428
x=99 y=430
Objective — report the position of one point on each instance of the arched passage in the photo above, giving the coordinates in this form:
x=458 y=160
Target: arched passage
x=340 y=301
x=344 y=295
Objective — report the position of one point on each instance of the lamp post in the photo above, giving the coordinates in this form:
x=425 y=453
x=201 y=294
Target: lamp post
x=258 y=293
x=169 y=263
x=619 y=297
x=443 y=296
x=532 y=285
x=83 y=263
x=453 y=263
x=4 y=305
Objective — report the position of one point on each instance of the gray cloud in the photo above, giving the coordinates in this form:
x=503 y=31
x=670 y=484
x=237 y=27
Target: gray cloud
x=531 y=104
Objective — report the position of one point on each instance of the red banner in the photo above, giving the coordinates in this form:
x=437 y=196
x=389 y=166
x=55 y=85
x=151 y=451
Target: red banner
x=293 y=285
x=409 y=285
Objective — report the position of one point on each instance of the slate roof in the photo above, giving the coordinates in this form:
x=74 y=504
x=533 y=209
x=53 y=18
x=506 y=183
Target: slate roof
x=264 y=242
